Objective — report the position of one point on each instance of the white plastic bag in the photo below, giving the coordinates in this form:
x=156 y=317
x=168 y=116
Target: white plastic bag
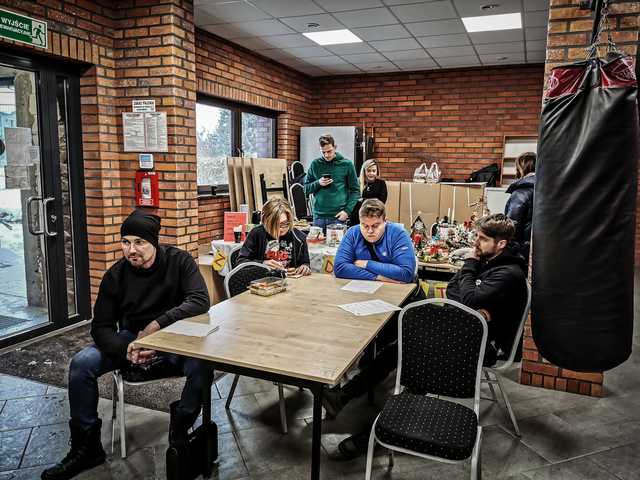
x=420 y=173
x=433 y=174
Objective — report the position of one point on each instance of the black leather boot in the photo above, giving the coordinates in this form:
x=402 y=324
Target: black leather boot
x=86 y=452
x=179 y=425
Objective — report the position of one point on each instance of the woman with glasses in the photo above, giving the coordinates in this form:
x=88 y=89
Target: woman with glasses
x=275 y=242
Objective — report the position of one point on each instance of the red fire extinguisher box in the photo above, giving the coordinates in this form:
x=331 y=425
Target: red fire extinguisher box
x=147 y=190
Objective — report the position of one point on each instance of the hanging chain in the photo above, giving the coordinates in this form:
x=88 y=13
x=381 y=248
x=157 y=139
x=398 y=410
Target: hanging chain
x=592 y=50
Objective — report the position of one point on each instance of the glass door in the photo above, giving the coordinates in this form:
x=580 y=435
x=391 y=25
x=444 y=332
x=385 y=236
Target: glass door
x=42 y=261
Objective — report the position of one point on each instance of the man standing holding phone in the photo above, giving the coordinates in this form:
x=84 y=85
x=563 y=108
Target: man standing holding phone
x=333 y=181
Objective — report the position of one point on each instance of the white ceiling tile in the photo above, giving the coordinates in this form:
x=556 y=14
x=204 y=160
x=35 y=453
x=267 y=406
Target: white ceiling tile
x=385 y=32
x=288 y=41
x=536 y=33
x=502 y=59
x=234 y=12
x=510 y=47
x=536 y=56
x=332 y=61
x=406 y=55
x=500 y=36
x=350 y=48
x=200 y=17
x=366 y=18
x=364 y=58
x=312 y=71
x=441 y=27
x=305 y=52
x=263 y=28
x=287 y=8
x=472 y=8
x=343 y=70
x=395 y=45
x=454 y=40
x=227 y=30
x=536 y=19
x=399 y=2
x=326 y=22
x=423 y=64
x=536 y=44
x=454 y=62
x=441 y=52
x=425 y=11
x=342 y=5
x=278 y=54
x=378 y=67
x=531 y=5
x=252 y=43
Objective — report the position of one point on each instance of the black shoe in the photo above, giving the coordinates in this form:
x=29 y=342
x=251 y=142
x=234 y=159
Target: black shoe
x=86 y=452
x=333 y=401
x=179 y=425
x=353 y=446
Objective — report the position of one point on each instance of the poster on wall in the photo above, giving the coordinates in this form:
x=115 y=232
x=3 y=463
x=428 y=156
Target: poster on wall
x=145 y=131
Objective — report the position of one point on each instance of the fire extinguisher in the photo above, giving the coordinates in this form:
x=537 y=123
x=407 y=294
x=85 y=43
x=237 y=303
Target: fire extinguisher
x=147 y=191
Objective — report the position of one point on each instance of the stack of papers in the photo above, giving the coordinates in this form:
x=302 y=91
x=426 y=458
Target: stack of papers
x=191 y=329
x=370 y=307
x=362 y=286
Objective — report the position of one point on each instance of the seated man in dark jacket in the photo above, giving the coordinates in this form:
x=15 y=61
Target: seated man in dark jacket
x=493 y=281
x=149 y=288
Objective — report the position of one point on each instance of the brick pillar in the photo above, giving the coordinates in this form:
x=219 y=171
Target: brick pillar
x=569 y=34
x=155 y=59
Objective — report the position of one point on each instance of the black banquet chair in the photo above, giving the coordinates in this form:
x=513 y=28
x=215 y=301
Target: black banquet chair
x=299 y=202
x=236 y=282
x=441 y=346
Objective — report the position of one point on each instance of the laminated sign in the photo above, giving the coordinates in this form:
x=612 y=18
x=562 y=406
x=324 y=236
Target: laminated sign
x=584 y=215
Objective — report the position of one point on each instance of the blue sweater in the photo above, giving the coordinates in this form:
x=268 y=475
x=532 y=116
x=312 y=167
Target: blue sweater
x=394 y=250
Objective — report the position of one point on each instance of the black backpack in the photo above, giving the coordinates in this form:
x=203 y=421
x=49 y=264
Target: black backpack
x=489 y=174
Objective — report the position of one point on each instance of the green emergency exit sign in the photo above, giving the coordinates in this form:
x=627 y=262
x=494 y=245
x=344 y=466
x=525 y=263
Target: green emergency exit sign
x=23 y=29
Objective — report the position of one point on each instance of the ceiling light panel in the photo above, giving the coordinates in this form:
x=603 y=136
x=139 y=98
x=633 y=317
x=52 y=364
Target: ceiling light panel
x=333 y=37
x=492 y=23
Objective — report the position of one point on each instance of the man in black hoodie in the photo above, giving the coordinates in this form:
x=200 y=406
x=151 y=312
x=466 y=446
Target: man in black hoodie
x=149 y=288
x=493 y=281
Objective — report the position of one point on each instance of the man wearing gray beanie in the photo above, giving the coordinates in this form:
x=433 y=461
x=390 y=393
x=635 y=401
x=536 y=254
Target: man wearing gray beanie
x=149 y=288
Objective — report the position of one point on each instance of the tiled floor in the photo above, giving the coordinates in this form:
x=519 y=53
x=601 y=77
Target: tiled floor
x=564 y=436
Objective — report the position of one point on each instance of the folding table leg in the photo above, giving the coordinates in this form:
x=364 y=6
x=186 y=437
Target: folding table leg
x=317 y=431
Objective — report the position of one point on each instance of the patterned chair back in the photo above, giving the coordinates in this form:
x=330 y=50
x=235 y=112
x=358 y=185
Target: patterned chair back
x=238 y=279
x=441 y=346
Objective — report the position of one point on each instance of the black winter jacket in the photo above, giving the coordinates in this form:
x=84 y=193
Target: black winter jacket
x=519 y=208
x=498 y=286
x=255 y=246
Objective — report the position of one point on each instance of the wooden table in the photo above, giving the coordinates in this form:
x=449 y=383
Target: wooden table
x=298 y=337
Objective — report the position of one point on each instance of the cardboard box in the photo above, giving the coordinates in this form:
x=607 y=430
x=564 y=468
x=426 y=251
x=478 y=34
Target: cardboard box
x=247 y=182
x=237 y=180
x=419 y=200
x=275 y=174
x=393 y=201
x=232 y=187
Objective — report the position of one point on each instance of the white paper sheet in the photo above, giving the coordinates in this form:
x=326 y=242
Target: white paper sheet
x=191 y=329
x=370 y=307
x=362 y=286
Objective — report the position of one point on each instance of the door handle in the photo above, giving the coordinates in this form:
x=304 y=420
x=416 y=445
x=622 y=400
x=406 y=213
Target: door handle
x=53 y=217
x=30 y=214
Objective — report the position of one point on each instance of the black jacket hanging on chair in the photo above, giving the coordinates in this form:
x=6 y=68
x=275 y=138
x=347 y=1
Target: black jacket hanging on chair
x=584 y=215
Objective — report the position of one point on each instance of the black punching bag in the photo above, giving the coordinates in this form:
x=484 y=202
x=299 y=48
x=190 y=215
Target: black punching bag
x=584 y=215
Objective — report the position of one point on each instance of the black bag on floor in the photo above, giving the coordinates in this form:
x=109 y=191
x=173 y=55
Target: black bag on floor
x=187 y=464
x=584 y=215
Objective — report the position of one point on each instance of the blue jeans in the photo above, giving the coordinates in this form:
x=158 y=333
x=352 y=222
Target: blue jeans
x=90 y=363
x=322 y=222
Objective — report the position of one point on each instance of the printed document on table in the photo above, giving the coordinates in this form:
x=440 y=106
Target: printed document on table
x=191 y=329
x=370 y=307
x=362 y=286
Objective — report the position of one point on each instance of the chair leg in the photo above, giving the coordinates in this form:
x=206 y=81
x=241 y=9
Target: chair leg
x=283 y=409
x=232 y=391
x=490 y=383
x=391 y=460
x=372 y=442
x=507 y=403
x=123 y=422
x=476 y=459
x=114 y=410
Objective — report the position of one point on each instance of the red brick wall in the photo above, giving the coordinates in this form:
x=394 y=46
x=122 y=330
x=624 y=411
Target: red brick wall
x=457 y=118
x=230 y=72
x=569 y=34
x=211 y=217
